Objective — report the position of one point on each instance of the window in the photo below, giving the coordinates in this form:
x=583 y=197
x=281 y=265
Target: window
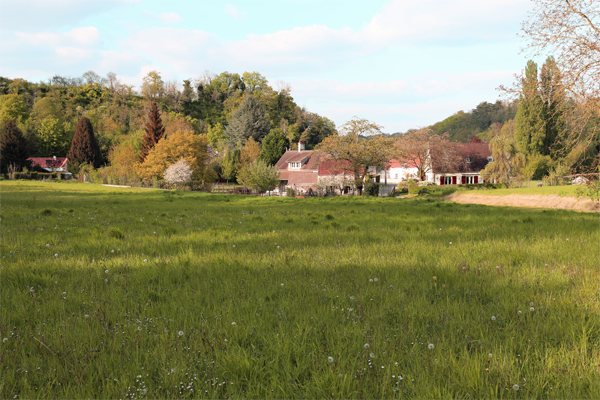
x=468 y=159
x=469 y=180
x=395 y=176
x=448 y=180
x=490 y=159
x=295 y=165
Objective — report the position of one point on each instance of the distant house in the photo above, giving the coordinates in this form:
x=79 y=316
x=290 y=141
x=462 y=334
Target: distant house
x=298 y=169
x=475 y=157
x=49 y=164
x=397 y=171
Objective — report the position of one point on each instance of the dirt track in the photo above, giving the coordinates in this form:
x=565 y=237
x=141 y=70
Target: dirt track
x=530 y=200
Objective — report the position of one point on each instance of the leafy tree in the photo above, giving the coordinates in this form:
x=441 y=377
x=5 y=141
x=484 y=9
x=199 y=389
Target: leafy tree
x=12 y=146
x=53 y=139
x=274 y=146
x=358 y=145
x=507 y=161
x=180 y=172
x=84 y=147
x=228 y=165
x=248 y=121
x=249 y=153
x=186 y=145
x=123 y=159
x=259 y=176
x=45 y=108
x=153 y=86
x=216 y=136
x=154 y=132
x=12 y=107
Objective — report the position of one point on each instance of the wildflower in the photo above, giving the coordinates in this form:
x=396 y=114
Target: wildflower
x=490 y=355
x=282 y=284
x=370 y=280
x=493 y=318
x=531 y=304
x=372 y=355
x=435 y=278
x=531 y=309
x=112 y=251
x=234 y=245
x=375 y=280
x=55 y=254
x=87 y=316
x=106 y=272
x=330 y=359
x=520 y=312
x=139 y=328
x=47 y=245
x=233 y=324
x=366 y=346
x=145 y=260
x=180 y=333
x=497 y=267
x=431 y=346
x=32 y=289
x=450 y=242
x=5 y=340
x=516 y=387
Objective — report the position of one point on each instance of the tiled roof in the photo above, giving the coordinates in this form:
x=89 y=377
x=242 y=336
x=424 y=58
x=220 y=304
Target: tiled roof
x=400 y=164
x=49 y=162
x=477 y=153
x=293 y=156
x=303 y=178
x=332 y=167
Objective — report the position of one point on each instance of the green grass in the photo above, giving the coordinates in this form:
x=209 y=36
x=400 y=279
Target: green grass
x=563 y=191
x=132 y=293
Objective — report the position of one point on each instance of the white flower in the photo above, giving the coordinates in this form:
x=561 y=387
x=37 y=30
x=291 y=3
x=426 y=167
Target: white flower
x=497 y=267
x=531 y=309
x=87 y=316
x=516 y=387
x=450 y=242
x=5 y=340
x=106 y=272
x=180 y=333
x=233 y=324
x=372 y=355
x=370 y=280
x=520 y=312
x=47 y=245
x=145 y=260
x=112 y=251
x=139 y=328
x=366 y=346
x=375 y=280
x=234 y=245
x=330 y=359
x=493 y=318
x=32 y=289
x=55 y=254
x=431 y=346
x=490 y=355
x=282 y=284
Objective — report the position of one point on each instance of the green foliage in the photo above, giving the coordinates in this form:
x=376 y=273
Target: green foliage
x=247 y=121
x=13 y=149
x=54 y=139
x=371 y=188
x=259 y=176
x=216 y=136
x=274 y=146
x=228 y=165
x=538 y=166
x=12 y=107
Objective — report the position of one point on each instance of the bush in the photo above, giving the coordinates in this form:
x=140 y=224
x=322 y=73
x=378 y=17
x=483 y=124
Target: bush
x=289 y=192
x=371 y=188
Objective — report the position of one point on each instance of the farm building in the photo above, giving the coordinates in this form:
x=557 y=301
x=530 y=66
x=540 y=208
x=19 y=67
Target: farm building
x=49 y=164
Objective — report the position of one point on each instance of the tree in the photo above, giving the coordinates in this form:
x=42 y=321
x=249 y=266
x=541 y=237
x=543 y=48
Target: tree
x=428 y=152
x=274 y=146
x=12 y=147
x=228 y=165
x=507 y=161
x=216 y=136
x=249 y=153
x=12 y=107
x=247 y=121
x=259 y=176
x=154 y=132
x=570 y=29
x=358 y=145
x=554 y=97
x=84 y=147
x=53 y=138
x=153 y=86
x=530 y=129
x=186 y=145
x=180 y=172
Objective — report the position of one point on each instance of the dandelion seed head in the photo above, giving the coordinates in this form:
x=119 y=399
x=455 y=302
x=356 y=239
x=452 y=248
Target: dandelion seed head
x=531 y=309
x=366 y=346
x=233 y=324
x=372 y=355
x=5 y=340
x=493 y=318
x=180 y=333
x=106 y=272
x=330 y=359
x=431 y=346
x=516 y=387
x=375 y=280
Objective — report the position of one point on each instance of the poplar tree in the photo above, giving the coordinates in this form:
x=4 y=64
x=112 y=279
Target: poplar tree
x=84 y=147
x=154 y=132
x=530 y=130
x=12 y=146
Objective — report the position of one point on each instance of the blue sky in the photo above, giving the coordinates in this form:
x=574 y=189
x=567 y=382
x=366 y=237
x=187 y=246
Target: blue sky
x=402 y=63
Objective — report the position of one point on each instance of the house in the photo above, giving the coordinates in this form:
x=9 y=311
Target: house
x=475 y=157
x=298 y=169
x=49 y=164
x=397 y=171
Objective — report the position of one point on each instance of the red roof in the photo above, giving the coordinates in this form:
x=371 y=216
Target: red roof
x=400 y=164
x=332 y=167
x=48 y=162
x=303 y=178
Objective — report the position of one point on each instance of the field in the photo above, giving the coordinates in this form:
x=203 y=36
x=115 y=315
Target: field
x=133 y=293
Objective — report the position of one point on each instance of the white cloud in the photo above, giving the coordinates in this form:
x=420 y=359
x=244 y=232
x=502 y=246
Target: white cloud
x=72 y=55
x=86 y=36
x=169 y=18
x=234 y=12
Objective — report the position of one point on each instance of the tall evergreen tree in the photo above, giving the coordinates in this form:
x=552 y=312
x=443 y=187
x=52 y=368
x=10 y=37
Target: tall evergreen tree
x=273 y=146
x=553 y=95
x=84 y=147
x=248 y=120
x=12 y=146
x=154 y=131
x=530 y=129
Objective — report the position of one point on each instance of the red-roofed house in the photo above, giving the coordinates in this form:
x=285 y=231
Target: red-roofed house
x=398 y=171
x=50 y=164
x=475 y=158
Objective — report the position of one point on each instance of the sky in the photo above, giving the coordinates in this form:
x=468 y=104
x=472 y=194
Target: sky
x=400 y=63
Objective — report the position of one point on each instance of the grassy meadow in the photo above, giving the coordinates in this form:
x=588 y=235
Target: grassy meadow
x=131 y=293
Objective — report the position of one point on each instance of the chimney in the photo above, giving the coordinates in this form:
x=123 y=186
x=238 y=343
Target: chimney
x=301 y=145
x=54 y=158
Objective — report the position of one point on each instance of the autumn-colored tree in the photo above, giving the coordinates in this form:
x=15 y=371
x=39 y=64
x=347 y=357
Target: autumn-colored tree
x=168 y=151
x=249 y=153
x=123 y=160
x=84 y=147
x=357 y=146
x=12 y=147
x=154 y=132
x=153 y=86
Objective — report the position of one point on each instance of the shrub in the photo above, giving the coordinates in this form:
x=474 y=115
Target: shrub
x=371 y=188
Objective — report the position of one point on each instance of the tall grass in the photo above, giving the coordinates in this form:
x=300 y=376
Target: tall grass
x=151 y=294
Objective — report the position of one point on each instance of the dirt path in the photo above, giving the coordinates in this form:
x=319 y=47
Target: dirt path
x=529 y=200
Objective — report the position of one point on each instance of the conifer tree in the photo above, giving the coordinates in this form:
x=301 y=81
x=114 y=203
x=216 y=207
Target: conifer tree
x=154 y=132
x=553 y=95
x=248 y=120
x=12 y=146
x=274 y=146
x=84 y=147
